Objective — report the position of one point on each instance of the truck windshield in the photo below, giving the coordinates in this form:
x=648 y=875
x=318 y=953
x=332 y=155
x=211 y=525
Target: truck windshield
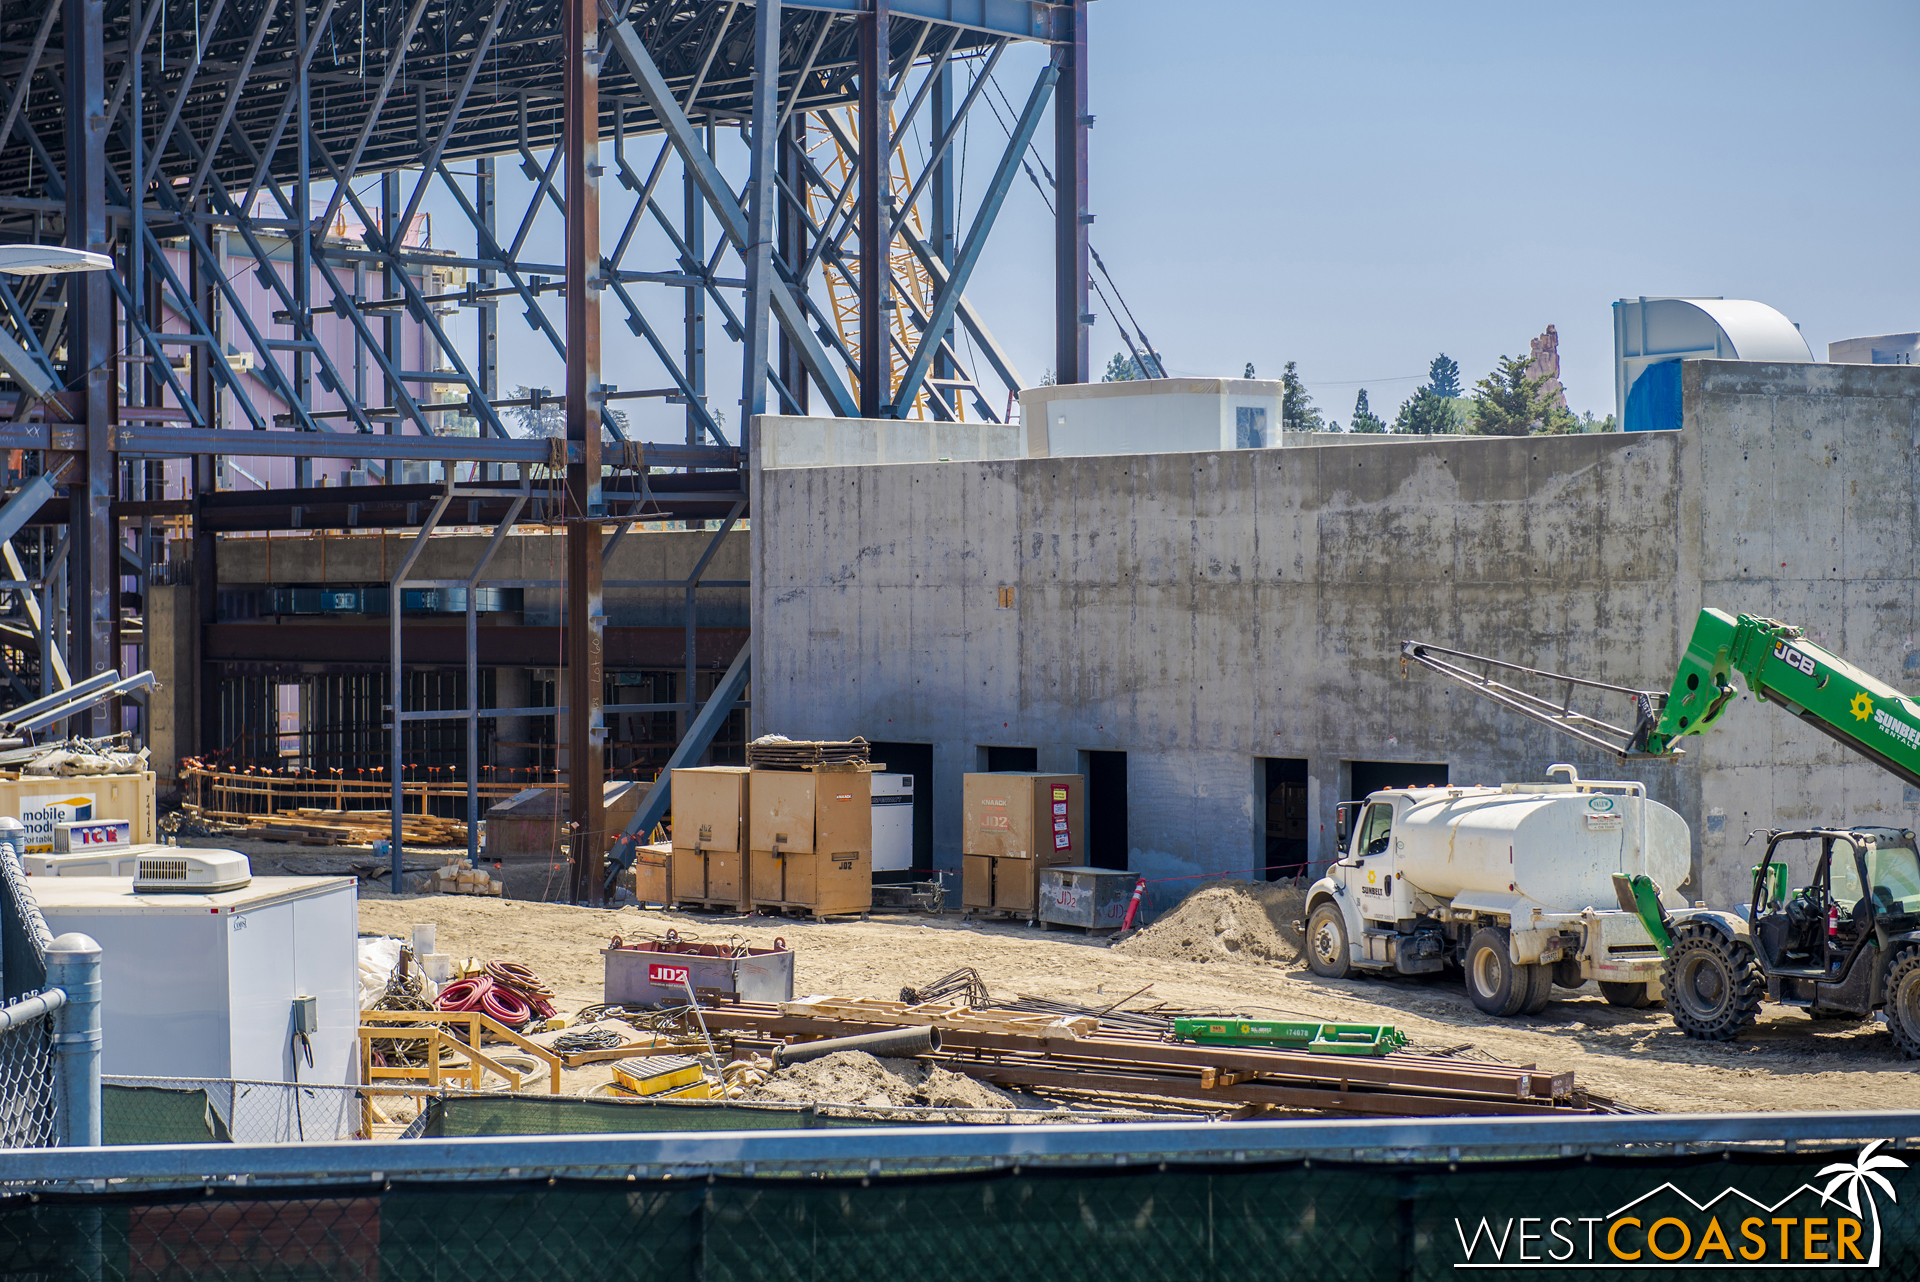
x=1893 y=875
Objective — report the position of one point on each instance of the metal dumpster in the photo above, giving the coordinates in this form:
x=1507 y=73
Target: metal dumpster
x=651 y=972
x=1091 y=898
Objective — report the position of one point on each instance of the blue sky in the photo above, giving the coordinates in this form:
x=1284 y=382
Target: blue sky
x=1356 y=187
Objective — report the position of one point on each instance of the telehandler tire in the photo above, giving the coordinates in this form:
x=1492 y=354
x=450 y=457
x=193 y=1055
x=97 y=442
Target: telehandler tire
x=1328 y=955
x=1713 y=984
x=1495 y=984
x=1631 y=996
x=1903 y=1001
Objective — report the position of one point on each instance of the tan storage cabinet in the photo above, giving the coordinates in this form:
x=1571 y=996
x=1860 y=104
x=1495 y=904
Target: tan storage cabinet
x=653 y=874
x=1016 y=824
x=709 y=836
x=812 y=840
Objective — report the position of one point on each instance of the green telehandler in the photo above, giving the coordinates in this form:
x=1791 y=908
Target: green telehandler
x=1833 y=922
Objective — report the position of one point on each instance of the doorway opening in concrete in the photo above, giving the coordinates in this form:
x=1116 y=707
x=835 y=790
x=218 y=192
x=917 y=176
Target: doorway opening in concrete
x=994 y=760
x=1106 y=774
x=1284 y=783
x=1364 y=777
x=914 y=759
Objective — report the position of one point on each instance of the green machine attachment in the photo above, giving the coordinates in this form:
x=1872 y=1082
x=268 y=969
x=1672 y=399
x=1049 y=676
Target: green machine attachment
x=1317 y=1039
x=1639 y=895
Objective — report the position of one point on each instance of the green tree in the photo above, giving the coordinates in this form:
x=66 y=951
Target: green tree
x=1122 y=369
x=1297 y=412
x=1364 y=419
x=1443 y=377
x=1508 y=403
x=1426 y=413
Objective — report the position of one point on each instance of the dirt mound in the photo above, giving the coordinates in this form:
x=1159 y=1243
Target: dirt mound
x=855 y=1077
x=1229 y=921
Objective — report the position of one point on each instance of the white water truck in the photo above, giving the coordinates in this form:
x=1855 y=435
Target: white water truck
x=1515 y=885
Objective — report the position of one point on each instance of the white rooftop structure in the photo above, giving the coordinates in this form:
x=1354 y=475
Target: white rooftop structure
x=1151 y=416
x=1650 y=332
x=1876 y=349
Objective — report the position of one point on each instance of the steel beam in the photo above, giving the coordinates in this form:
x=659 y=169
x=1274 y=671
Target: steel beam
x=874 y=209
x=586 y=610
x=1072 y=319
x=397 y=687
x=95 y=565
x=712 y=716
x=758 y=250
x=947 y=301
x=719 y=196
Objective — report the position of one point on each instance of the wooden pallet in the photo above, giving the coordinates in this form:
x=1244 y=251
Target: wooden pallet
x=708 y=905
x=868 y=1010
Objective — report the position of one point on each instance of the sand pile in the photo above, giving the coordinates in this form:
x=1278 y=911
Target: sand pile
x=1229 y=921
x=855 y=1077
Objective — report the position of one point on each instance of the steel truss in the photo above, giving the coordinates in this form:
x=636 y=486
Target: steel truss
x=304 y=137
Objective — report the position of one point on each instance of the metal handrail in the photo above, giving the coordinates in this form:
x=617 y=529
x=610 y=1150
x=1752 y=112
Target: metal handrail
x=877 y=1150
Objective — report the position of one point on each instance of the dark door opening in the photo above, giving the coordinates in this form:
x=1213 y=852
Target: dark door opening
x=1371 y=776
x=994 y=760
x=914 y=759
x=1285 y=781
x=1106 y=809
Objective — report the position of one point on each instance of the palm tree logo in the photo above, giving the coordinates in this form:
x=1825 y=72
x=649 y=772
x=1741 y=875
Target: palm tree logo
x=1855 y=1176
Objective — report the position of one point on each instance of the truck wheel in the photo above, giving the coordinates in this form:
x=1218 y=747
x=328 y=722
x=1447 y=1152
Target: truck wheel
x=1631 y=996
x=1566 y=973
x=1903 y=1001
x=1327 y=952
x=1494 y=983
x=1539 y=988
x=1713 y=984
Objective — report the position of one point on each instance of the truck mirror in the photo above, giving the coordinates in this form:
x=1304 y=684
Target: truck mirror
x=1340 y=825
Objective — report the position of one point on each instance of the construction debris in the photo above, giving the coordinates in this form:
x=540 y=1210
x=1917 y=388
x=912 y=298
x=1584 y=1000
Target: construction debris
x=855 y=1077
x=1244 y=921
x=356 y=827
x=458 y=879
x=1112 y=1062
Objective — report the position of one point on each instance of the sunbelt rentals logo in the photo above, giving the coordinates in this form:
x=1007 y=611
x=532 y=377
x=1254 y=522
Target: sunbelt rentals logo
x=1830 y=1222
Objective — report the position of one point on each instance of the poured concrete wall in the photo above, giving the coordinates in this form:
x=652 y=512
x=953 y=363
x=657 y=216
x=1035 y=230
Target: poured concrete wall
x=1202 y=611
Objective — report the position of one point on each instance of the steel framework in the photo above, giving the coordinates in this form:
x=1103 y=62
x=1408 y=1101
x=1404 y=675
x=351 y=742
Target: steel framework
x=304 y=137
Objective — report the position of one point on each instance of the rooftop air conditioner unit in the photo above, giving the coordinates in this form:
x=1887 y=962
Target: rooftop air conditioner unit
x=192 y=872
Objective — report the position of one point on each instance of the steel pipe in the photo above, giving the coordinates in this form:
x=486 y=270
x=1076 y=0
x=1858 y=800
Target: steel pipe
x=900 y=1043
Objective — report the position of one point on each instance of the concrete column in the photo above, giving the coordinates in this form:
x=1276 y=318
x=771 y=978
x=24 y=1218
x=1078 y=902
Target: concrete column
x=172 y=625
x=73 y=966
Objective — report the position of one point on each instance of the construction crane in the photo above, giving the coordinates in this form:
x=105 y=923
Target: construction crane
x=913 y=286
x=1844 y=944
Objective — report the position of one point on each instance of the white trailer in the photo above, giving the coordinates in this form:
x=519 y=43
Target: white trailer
x=203 y=987
x=1514 y=885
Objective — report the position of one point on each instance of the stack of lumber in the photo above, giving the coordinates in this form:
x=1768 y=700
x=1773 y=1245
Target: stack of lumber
x=803 y=754
x=356 y=827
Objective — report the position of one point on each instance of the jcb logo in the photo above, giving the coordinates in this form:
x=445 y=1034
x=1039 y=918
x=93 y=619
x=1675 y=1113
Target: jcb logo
x=1793 y=658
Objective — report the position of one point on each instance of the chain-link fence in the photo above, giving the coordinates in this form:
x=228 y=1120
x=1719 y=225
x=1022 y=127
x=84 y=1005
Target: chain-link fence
x=29 y=1113
x=1116 y=1203
x=171 y=1110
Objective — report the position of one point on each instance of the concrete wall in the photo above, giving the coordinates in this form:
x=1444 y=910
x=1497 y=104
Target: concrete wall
x=786 y=441
x=1144 y=415
x=1201 y=611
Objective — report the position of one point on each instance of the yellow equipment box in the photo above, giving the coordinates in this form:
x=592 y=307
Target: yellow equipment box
x=658 y=1075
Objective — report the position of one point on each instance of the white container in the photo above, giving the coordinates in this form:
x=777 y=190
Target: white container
x=1544 y=842
x=892 y=822
x=202 y=986
x=423 y=938
x=437 y=966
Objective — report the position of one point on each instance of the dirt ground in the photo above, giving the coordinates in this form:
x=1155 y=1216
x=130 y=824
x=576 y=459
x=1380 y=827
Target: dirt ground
x=1636 y=1057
